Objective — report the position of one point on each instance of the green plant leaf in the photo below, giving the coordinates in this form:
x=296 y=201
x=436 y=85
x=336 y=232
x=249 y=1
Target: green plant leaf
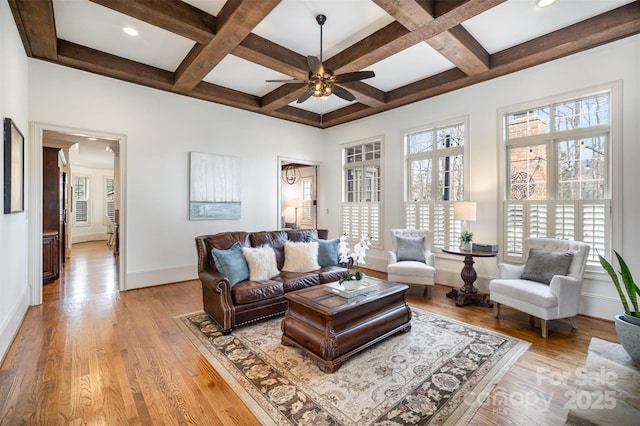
x=630 y=285
x=614 y=277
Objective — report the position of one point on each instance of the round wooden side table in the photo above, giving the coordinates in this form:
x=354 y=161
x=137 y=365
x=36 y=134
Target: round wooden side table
x=468 y=294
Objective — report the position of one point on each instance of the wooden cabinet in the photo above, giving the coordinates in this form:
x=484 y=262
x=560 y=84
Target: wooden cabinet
x=50 y=256
x=51 y=214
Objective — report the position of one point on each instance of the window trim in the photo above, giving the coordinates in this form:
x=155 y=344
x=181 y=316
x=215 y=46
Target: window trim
x=87 y=200
x=375 y=243
x=614 y=162
x=466 y=181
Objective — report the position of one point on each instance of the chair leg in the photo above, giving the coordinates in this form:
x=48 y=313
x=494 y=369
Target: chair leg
x=497 y=314
x=532 y=321
x=545 y=330
x=427 y=291
x=573 y=322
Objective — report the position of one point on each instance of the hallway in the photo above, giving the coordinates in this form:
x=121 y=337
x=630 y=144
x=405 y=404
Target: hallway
x=91 y=270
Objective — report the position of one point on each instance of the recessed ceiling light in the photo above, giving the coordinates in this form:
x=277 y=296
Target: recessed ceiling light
x=130 y=31
x=545 y=3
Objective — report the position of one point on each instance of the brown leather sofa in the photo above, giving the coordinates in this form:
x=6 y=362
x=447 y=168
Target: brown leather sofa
x=249 y=301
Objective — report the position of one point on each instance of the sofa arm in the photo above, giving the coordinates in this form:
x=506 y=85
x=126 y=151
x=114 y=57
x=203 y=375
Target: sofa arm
x=391 y=257
x=510 y=272
x=216 y=299
x=429 y=258
x=567 y=290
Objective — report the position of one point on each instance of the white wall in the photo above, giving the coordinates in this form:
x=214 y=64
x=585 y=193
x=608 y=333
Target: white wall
x=14 y=285
x=161 y=129
x=96 y=229
x=616 y=61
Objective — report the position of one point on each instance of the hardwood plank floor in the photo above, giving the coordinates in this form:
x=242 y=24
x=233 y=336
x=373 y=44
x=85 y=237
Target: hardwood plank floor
x=93 y=355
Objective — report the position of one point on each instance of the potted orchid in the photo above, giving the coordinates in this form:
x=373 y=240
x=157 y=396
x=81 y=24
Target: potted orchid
x=354 y=258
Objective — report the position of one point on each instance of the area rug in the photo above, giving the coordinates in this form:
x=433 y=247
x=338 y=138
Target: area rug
x=438 y=373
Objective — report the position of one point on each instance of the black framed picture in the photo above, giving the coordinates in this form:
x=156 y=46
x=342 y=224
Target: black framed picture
x=13 y=168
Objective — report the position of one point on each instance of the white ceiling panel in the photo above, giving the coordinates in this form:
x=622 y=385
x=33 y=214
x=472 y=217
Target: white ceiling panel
x=517 y=21
x=238 y=74
x=212 y=7
x=292 y=24
x=322 y=106
x=100 y=28
x=415 y=63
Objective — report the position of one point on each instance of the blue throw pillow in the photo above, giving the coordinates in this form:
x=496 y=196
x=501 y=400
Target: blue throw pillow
x=327 y=251
x=231 y=263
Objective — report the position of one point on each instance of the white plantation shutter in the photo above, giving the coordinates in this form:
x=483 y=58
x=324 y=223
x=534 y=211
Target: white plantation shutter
x=361 y=219
x=81 y=200
x=514 y=237
x=557 y=183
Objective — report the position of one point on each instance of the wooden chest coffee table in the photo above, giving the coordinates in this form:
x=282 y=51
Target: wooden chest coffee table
x=331 y=328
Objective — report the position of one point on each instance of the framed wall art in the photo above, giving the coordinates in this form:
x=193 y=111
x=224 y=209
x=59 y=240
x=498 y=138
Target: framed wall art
x=214 y=187
x=13 y=168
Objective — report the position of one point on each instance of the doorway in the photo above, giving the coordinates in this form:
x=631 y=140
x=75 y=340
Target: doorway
x=43 y=135
x=298 y=194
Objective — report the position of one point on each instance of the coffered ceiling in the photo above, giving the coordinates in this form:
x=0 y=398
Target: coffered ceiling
x=223 y=51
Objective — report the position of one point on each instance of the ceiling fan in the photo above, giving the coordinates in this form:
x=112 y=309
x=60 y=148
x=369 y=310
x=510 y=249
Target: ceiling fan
x=322 y=82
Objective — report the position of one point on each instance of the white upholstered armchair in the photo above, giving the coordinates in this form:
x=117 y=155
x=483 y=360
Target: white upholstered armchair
x=548 y=286
x=411 y=260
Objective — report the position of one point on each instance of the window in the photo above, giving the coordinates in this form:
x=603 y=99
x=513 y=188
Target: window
x=306 y=202
x=362 y=191
x=435 y=179
x=109 y=202
x=557 y=174
x=81 y=200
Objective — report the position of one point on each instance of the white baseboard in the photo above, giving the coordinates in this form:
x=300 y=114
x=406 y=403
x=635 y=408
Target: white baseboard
x=89 y=237
x=140 y=279
x=10 y=327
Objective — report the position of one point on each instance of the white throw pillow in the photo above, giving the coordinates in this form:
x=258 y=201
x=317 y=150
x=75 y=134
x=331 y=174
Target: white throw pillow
x=261 y=261
x=300 y=257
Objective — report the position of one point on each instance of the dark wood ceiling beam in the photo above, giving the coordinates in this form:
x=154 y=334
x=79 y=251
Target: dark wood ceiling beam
x=95 y=61
x=235 y=21
x=271 y=55
x=366 y=94
x=455 y=44
x=602 y=29
x=176 y=16
x=395 y=38
x=87 y=59
x=298 y=115
x=223 y=95
x=36 y=25
x=346 y=114
x=462 y=50
x=282 y=96
x=605 y=28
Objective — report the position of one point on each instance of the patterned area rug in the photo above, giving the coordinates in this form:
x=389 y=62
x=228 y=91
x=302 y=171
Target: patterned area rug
x=438 y=373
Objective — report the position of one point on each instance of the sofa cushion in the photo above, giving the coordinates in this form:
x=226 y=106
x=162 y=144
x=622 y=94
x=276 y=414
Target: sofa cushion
x=300 y=257
x=274 y=239
x=410 y=248
x=231 y=263
x=329 y=274
x=261 y=261
x=542 y=265
x=327 y=251
x=254 y=291
x=292 y=281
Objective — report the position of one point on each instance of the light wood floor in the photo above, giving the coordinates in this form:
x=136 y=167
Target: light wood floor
x=93 y=355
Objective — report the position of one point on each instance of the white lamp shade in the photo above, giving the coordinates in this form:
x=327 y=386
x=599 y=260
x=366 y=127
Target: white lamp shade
x=464 y=210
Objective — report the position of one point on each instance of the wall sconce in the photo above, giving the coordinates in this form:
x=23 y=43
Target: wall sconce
x=290 y=174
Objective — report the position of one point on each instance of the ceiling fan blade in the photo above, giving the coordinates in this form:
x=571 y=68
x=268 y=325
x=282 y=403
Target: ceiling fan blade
x=315 y=66
x=343 y=93
x=306 y=95
x=285 y=81
x=353 y=76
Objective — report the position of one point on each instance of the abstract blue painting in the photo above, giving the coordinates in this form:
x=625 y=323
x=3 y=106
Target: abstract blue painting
x=214 y=187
